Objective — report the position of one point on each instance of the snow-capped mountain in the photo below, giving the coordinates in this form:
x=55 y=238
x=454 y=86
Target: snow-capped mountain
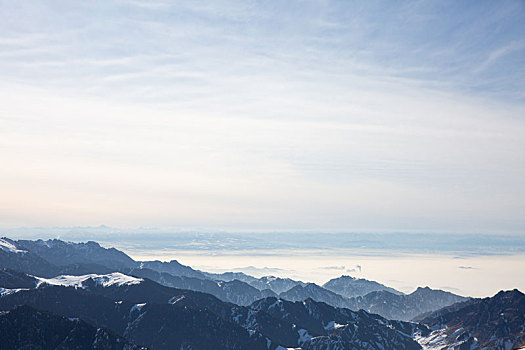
x=350 y=287
x=84 y=281
x=490 y=323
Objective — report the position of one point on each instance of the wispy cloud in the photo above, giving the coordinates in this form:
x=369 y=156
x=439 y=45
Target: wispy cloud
x=499 y=53
x=311 y=114
x=356 y=269
x=342 y=267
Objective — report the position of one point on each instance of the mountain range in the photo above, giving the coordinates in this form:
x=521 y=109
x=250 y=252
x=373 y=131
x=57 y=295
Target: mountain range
x=55 y=257
x=165 y=305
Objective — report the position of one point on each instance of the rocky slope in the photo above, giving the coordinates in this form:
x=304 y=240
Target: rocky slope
x=24 y=327
x=490 y=323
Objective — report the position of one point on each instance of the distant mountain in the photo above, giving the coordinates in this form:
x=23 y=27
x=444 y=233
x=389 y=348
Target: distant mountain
x=234 y=291
x=315 y=292
x=384 y=303
x=404 y=307
x=490 y=323
x=26 y=328
x=230 y=276
x=350 y=287
x=172 y=267
x=62 y=253
x=276 y=284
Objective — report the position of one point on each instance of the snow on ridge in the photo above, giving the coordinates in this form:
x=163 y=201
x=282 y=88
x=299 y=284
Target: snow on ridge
x=9 y=247
x=115 y=278
x=176 y=299
x=436 y=340
x=333 y=325
x=137 y=307
x=6 y=291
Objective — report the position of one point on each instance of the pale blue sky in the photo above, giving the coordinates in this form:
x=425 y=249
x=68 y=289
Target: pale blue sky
x=310 y=115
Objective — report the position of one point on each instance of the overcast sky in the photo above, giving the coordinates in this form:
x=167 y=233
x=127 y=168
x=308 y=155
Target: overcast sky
x=263 y=115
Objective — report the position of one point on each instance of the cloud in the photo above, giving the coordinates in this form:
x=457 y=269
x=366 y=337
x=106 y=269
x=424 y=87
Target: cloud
x=355 y=269
x=259 y=270
x=467 y=267
x=500 y=53
x=163 y=114
x=333 y=267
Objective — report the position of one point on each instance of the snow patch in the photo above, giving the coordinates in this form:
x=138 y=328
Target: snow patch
x=9 y=247
x=176 y=299
x=112 y=279
x=333 y=325
x=436 y=340
x=136 y=307
x=5 y=291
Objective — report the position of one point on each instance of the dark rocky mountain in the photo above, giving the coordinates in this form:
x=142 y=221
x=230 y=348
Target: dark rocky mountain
x=14 y=257
x=314 y=325
x=24 y=327
x=446 y=309
x=350 y=287
x=490 y=323
x=189 y=320
x=12 y=279
x=404 y=307
x=20 y=257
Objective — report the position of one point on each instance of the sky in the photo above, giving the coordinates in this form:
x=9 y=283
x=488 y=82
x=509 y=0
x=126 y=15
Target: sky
x=371 y=116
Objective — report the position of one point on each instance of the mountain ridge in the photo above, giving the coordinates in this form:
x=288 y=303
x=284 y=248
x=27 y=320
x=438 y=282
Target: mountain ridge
x=70 y=258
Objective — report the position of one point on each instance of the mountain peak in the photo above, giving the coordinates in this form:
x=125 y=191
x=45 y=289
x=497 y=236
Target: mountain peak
x=513 y=293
